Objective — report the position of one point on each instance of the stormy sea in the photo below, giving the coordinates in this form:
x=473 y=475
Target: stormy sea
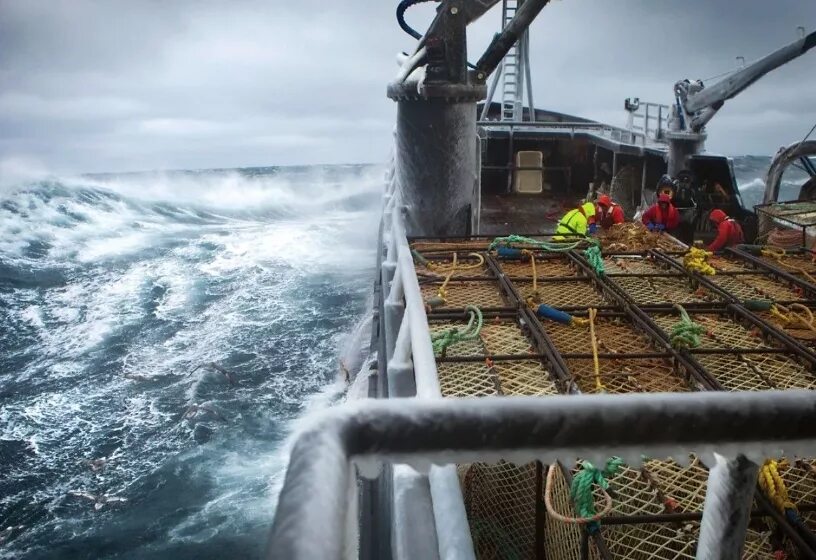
x=160 y=336
x=117 y=293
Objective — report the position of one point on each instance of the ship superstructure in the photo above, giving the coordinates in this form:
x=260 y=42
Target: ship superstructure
x=623 y=396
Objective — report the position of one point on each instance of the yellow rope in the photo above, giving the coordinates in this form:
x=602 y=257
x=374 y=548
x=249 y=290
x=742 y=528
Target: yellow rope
x=779 y=254
x=802 y=319
x=696 y=261
x=598 y=384
x=533 y=264
x=773 y=485
x=443 y=292
x=442 y=268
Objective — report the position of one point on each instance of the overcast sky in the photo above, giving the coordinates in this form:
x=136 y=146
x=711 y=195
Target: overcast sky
x=129 y=85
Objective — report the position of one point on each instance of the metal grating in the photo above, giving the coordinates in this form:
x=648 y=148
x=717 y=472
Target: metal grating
x=614 y=335
x=467 y=379
x=524 y=378
x=563 y=294
x=501 y=500
x=685 y=485
x=440 y=267
x=662 y=290
x=628 y=375
x=461 y=294
x=544 y=268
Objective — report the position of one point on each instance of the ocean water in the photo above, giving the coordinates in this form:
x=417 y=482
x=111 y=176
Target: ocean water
x=113 y=290
x=750 y=173
x=116 y=292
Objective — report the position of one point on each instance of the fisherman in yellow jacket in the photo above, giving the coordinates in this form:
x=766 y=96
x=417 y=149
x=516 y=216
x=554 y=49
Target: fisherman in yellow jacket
x=577 y=222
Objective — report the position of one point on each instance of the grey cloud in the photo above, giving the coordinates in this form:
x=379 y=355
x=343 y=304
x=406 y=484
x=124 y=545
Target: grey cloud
x=92 y=86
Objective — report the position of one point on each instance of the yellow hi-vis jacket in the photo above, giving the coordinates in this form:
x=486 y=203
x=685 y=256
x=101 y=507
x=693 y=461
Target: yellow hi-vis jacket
x=576 y=221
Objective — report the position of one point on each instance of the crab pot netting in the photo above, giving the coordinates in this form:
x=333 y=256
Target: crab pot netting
x=794 y=263
x=460 y=294
x=431 y=247
x=523 y=376
x=441 y=265
x=506 y=514
x=644 y=281
x=657 y=488
x=613 y=333
x=804 y=335
x=546 y=266
x=655 y=290
x=629 y=375
x=575 y=293
x=743 y=372
x=756 y=286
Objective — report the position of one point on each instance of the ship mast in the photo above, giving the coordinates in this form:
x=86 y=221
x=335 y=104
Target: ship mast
x=436 y=90
x=514 y=75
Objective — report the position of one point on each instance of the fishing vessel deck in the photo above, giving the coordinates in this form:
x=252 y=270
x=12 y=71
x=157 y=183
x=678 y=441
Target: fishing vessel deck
x=623 y=339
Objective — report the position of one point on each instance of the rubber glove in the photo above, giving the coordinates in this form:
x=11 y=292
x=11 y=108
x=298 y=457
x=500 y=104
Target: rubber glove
x=593 y=228
x=650 y=226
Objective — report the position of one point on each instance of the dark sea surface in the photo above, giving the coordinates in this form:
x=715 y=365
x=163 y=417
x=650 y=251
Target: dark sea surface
x=114 y=288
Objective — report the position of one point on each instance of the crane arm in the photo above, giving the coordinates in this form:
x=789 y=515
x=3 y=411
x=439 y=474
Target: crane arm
x=701 y=103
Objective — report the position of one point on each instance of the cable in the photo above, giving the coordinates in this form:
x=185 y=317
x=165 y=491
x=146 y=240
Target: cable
x=402 y=7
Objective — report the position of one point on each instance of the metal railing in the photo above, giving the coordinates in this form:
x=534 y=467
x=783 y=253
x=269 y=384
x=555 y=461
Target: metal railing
x=316 y=514
x=313 y=509
x=650 y=119
x=607 y=131
x=411 y=369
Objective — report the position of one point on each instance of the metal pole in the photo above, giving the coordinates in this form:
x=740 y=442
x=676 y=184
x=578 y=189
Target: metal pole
x=727 y=508
x=527 y=72
x=490 y=92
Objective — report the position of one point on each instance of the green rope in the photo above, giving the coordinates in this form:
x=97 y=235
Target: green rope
x=443 y=339
x=593 y=255
x=581 y=488
x=686 y=333
x=546 y=245
x=419 y=258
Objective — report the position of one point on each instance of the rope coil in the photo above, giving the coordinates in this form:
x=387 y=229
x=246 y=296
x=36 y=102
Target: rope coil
x=779 y=254
x=771 y=482
x=441 y=341
x=581 y=492
x=696 y=260
x=595 y=259
x=686 y=333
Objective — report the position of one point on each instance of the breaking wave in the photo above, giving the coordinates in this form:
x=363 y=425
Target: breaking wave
x=113 y=290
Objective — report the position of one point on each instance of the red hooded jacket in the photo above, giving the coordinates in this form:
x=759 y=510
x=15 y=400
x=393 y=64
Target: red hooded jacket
x=608 y=213
x=654 y=215
x=729 y=232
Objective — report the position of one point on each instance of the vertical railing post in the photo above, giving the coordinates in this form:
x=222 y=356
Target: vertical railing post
x=394 y=312
x=727 y=509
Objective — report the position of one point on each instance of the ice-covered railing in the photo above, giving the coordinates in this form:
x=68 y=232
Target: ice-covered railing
x=411 y=371
x=318 y=495
x=419 y=432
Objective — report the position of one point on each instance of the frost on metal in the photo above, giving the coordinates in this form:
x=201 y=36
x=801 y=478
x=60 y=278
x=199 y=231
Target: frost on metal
x=421 y=433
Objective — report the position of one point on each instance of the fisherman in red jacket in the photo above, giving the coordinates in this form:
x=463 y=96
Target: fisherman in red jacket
x=662 y=216
x=608 y=213
x=729 y=232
